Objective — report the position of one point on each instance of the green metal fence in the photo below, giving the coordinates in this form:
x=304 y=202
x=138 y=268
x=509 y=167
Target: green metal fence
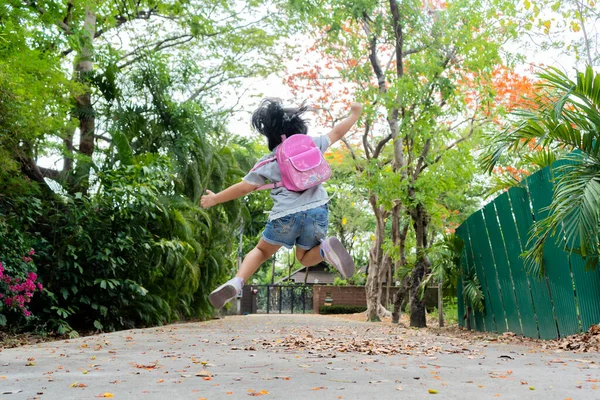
x=564 y=301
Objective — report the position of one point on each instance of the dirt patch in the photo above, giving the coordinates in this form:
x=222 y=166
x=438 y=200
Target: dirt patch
x=9 y=341
x=579 y=343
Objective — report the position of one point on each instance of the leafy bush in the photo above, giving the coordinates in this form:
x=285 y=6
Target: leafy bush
x=128 y=256
x=341 y=309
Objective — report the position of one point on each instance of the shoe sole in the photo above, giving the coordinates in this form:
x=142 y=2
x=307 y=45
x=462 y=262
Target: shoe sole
x=220 y=296
x=341 y=259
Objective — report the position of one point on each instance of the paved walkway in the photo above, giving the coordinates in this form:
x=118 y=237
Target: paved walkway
x=291 y=357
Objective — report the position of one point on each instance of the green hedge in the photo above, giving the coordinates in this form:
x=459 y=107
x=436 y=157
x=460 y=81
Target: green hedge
x=341 y=309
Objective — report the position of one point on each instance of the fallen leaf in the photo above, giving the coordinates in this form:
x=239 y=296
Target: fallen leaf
x=432 y=391
x=531 y=388
x=106 y=395
x=399 y=388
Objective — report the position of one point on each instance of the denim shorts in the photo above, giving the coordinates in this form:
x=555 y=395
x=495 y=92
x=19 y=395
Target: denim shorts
x=304 y=229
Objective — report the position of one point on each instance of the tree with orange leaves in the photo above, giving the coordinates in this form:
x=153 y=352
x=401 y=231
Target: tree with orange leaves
x=425 y=71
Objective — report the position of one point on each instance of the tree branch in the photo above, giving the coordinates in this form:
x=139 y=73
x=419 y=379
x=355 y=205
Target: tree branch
x=120 y=20
x=450 y=146
x=345 y=141
x=61 y=24
x=399 y=37
x=365 y=139
x=157 y=48
x=381 y=144
x=375 y=64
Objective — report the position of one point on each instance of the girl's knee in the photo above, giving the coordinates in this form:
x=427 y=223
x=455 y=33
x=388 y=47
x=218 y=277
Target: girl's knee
x=300 y=255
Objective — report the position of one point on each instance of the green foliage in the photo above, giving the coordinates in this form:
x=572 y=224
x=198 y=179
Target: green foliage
x=358 y=279
x=445 y=257
x=341 y=309
x=135 y=249
x=568 y=28
x=450 y=311
x=473 y=292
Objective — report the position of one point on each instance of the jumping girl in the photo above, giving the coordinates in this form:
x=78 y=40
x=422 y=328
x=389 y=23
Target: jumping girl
x=297 y=218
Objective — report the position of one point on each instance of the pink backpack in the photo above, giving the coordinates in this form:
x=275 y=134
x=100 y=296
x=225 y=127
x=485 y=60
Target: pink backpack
x=301 y=163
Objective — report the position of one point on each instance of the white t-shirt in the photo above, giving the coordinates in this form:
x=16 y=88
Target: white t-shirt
x=285 y=201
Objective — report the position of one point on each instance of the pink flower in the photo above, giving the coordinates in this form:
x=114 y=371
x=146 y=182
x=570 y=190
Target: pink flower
x=27 y=313
x=8 y=301
x=32 y=276
x=39 y=285
x=31 y=252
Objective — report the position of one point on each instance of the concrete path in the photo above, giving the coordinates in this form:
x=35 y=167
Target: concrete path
x=291 y=357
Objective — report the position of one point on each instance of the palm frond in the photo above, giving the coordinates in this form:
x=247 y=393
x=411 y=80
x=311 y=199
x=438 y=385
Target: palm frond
x=574 y=215
x=543 y=158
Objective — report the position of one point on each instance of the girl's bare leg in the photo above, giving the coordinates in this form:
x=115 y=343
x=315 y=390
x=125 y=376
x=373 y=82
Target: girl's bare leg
x=227 y=291
x=311 y=257
x=258 y=255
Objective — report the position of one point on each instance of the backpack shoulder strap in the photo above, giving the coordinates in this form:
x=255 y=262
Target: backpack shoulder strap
x=268 y=185
x=263 y=162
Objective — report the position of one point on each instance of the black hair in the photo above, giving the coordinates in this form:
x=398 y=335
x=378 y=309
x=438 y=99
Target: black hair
x=272 y=120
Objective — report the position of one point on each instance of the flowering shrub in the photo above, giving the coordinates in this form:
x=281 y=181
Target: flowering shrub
x=17 y=291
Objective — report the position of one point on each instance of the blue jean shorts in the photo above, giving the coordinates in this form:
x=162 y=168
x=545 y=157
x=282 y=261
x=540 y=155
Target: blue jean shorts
x=304 y=229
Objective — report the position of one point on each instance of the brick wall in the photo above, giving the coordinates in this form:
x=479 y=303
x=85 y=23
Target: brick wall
x=355 y=296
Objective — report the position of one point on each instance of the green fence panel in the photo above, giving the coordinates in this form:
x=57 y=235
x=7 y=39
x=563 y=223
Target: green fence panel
x=555 y=258
x=587 y=283
x=460 y=232
x=505 y=282
x=482 y=258
x=587 y=286
x=517 y=270
x=539 y=290
x=477 y=317
x=460 y=302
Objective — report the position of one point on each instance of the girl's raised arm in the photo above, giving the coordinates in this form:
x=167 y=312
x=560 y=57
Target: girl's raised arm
x=343 y=127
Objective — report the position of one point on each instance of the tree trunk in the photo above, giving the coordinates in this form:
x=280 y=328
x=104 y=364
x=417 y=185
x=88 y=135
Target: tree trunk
x=373 y=286
x=386 y=264
x=401 y=299
x=417 y=305
x=467 y=318
x=402 y=293
x=440 y=304
x=84 y=66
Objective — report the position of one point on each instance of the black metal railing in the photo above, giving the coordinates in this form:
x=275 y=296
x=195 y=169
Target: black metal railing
x=283 y=299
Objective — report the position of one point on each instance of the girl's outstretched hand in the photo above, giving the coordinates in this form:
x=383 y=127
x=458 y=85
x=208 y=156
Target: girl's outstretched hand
x=356 y=107
x=208 y=200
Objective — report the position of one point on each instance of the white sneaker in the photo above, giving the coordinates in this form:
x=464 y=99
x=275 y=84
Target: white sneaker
x=223 y=294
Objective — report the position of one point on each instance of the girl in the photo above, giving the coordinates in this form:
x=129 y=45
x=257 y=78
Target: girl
x=298 y=218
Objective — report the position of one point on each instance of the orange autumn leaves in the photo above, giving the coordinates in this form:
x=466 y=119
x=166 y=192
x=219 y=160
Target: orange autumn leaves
x=510 y=91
